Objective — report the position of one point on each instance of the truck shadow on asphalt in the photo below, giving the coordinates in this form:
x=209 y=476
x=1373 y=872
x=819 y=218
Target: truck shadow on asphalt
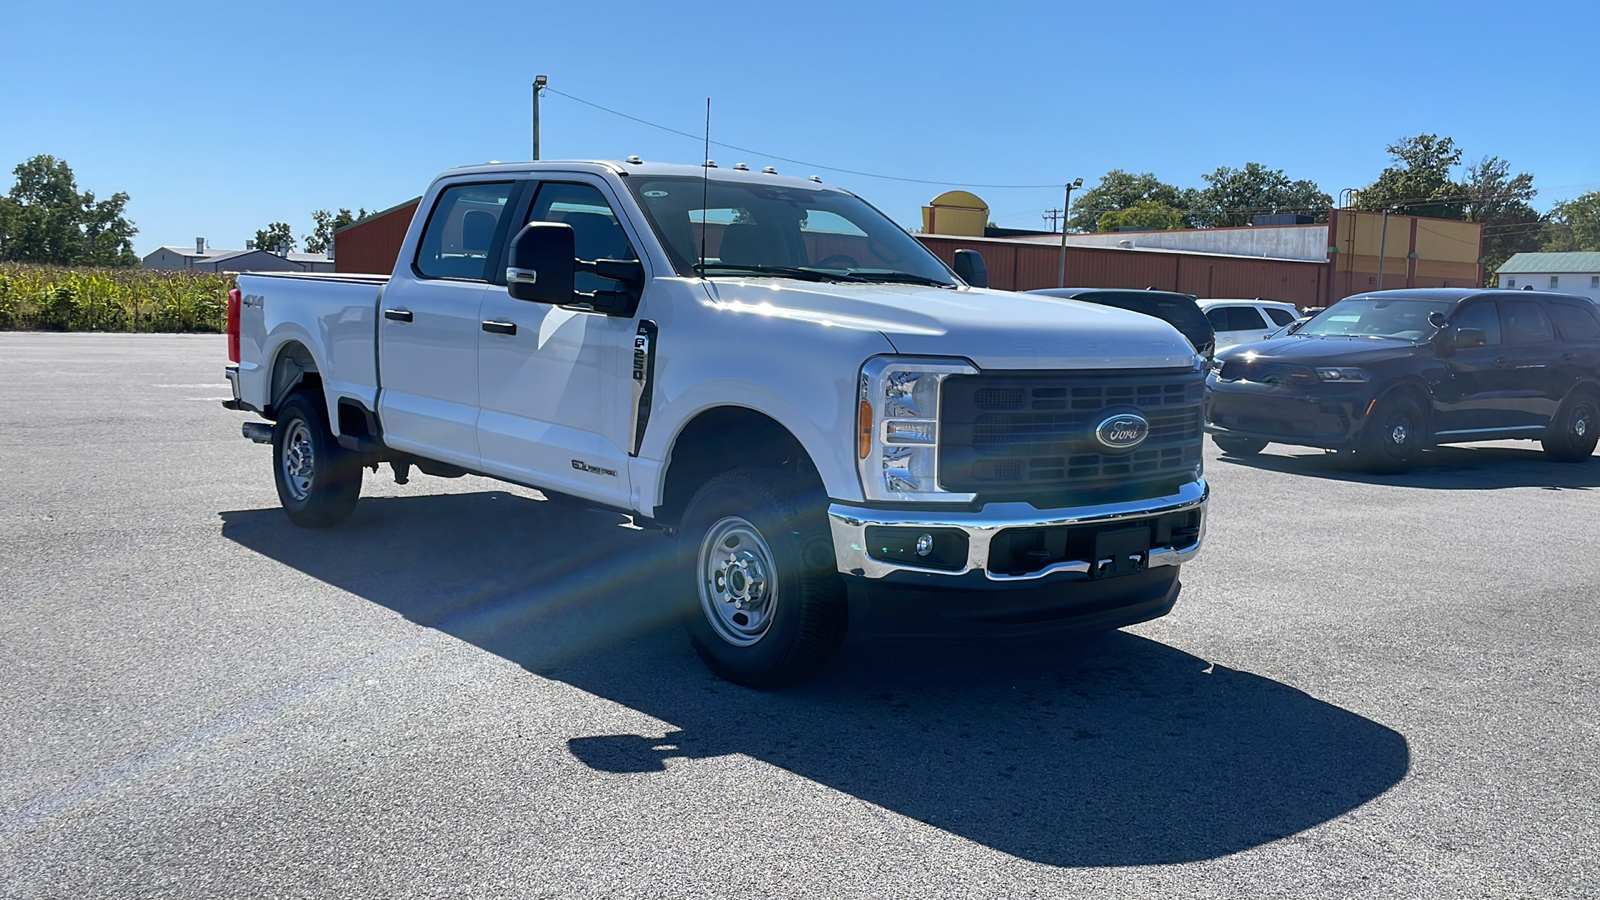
x=1450 y=468
x=1109 y=751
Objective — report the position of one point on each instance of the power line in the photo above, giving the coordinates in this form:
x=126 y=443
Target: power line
x=799 y=162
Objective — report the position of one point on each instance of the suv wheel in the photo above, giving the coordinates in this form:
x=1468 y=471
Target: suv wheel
x=318 y=481
x=1575 y=431
x=1233 y=445
x=769 y=605
x=1394 y=435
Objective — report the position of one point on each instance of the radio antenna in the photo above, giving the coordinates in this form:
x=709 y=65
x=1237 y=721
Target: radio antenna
x=705 y=188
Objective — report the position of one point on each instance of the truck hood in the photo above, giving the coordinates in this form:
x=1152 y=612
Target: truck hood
x=993 y=329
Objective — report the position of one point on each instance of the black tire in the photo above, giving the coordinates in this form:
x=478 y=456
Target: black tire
x=1575 y=430
x=1234 y=445
x=329 y=476
x=1394 y=435
x=756 y=544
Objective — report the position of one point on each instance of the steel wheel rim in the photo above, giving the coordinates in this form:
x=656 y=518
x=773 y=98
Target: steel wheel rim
x=299 y=460
x=738 y=588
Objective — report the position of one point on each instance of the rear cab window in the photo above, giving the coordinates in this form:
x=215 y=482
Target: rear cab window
x=461 y=230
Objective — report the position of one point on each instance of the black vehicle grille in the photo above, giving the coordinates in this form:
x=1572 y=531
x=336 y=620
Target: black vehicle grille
x=1007 y=435
x=1267 y=372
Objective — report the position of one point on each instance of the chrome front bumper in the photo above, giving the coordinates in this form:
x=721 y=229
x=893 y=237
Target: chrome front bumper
x=849 y=526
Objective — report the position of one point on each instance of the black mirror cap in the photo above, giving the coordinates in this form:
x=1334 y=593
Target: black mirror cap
x=970 y=268
x=1437 y=319
x=1471 y=337
x=542 y=264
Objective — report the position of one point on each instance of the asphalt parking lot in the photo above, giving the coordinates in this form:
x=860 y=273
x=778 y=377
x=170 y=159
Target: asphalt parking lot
x=1372 y=686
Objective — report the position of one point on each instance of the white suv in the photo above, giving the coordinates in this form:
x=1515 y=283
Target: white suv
x=1244 y=321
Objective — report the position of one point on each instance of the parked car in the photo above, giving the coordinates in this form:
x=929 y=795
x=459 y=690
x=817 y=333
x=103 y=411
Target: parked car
x=1178 y=310
x=1244 y=321
x=832 y=426
x=1390 y=373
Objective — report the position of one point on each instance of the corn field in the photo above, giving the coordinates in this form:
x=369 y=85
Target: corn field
x=53 y=298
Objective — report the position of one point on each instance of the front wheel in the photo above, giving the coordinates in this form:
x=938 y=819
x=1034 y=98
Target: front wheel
x=1233 y=445
x=1394 y=435
x=1575 y=431
x=769 y=604
x=318 y=481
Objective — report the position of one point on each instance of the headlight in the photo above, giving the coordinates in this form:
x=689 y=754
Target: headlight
x=1338 y=374
x=898 y=427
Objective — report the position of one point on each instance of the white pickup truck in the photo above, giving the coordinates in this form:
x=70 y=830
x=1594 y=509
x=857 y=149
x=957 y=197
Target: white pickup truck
x=834 y=425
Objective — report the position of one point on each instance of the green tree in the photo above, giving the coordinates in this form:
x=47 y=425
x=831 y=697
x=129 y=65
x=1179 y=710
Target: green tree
x=1234 y=197
x=276 y=235
x=325 y=224
x=1120 y=190
x=44 y=219
x=1574 y=225
x=1144 y=214
x=1418 y=183
x=1492 y=195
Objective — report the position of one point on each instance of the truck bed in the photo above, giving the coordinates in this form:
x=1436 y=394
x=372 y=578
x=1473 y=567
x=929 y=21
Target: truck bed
x=329 y=316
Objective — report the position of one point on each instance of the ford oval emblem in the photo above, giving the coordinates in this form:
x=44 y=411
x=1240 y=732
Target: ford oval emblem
x=1123 y=431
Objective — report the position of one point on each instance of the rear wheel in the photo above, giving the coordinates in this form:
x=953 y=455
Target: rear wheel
x=318 y=481
x=1234 y=445
x=1575 y=431
x=769 y=604
x=1394 y=435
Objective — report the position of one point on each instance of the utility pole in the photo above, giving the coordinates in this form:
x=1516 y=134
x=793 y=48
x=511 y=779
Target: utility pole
x=1051 y=215
x=1061 y=271
x=539 y=81
x=1383 y=247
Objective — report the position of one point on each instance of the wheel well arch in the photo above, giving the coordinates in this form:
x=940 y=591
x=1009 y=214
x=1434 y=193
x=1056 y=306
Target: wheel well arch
x=720 y=439
x=293 y=367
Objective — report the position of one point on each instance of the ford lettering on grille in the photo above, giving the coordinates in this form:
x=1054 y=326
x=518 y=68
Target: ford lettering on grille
x=1123 y=431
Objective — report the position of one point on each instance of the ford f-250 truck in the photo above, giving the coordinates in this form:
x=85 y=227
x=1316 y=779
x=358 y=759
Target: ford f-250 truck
x=835 y=426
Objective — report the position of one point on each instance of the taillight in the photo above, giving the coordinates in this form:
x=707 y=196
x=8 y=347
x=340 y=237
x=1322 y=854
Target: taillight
x=233 y=325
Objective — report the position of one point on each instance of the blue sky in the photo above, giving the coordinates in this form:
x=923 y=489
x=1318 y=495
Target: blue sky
x=219 y=119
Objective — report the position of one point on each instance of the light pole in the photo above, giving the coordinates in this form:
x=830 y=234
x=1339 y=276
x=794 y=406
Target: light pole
x=1061 y=271
x=539 y=81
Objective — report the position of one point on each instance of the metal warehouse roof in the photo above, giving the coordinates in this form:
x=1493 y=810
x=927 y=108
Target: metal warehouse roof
x=1557 y=263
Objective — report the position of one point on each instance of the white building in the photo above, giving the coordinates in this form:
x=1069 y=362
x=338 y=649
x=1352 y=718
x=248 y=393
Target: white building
x=1567 y=273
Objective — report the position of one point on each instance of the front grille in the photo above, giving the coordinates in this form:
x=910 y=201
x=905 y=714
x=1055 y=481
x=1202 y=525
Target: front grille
x=1027 y=434
x=1265 y=371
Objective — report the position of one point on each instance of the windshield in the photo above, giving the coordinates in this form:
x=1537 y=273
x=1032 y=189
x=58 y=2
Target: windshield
x=756 y=229
x=1377 y=317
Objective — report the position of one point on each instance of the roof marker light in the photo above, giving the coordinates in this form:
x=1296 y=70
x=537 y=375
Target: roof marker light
x=711 y=164
x=769 y=171
x=740 y=167
x=817 y=178
x=633 y=161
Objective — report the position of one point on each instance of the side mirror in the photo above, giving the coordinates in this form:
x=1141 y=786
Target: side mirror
x=1437 y=319
x=542 y=263
x=970 y=266
x=542 y=267
x=1471 y=337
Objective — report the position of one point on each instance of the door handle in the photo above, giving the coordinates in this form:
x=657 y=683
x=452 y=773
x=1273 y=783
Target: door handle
x=500 y=327
x=1502 y=362
x=397 y=315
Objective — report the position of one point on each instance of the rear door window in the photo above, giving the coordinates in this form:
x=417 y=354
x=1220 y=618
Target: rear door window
x=461 y=230
x=1483 y=317
x=1279 y=316
x=1236 y=318
x=1526 y=323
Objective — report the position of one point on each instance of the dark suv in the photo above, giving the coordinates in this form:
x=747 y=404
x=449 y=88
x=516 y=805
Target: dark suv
x=1389 y=373
x=1178 y=310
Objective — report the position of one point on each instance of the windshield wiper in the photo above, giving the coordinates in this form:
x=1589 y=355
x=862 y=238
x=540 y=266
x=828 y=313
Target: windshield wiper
x=896 y=278
x=773 y=271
